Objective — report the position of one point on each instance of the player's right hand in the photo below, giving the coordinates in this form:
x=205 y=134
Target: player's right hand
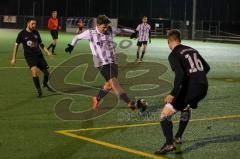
x=13 y=61
x=133 y=35
x=69 y=49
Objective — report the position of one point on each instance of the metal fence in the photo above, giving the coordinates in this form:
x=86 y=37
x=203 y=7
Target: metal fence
x=42 y=22
x=205 y=30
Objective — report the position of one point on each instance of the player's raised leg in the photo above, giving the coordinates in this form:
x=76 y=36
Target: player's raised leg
x=119 y=92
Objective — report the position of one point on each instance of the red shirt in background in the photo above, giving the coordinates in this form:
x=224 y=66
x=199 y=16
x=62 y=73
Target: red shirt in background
x=53 y=24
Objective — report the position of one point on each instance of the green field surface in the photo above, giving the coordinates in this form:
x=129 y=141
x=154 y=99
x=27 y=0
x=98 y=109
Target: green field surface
x=62 y=125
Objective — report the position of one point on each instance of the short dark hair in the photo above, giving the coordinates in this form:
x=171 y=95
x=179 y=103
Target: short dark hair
x=30 y=19
x=174 y=34
x=103 y=19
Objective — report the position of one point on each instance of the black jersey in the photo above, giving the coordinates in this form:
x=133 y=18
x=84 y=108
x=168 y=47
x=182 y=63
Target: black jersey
x=31 y=42
x=189 y=67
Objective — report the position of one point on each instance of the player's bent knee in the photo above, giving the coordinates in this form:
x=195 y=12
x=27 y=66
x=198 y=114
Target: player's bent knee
x=113 y=82
x=185 y=115
x=34 y=71
x=107 y=86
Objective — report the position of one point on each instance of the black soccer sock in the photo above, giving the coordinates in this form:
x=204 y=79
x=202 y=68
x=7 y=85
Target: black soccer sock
x=137 y=54
x=46 y=77
x=36 y=83
x=125 y=98
x=184 y=119
x=53 y=48
x=102 y=93
x=143 y=52
x=50 y=46
x=167 y=127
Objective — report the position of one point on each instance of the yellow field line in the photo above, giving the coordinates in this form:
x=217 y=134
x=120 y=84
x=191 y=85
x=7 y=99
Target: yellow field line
x=111 y=127
x=150 y=124
x=125 y=149
x=112 y=146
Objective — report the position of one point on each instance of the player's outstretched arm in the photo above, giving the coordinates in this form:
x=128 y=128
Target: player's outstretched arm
x=121 y=29
x=15 y=49
x=83 y=36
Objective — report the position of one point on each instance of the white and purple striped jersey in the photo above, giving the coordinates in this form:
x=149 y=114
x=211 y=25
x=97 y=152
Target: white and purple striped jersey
x=143 y=32
x=102 y=46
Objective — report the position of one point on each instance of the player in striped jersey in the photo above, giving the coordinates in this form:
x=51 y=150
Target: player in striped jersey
x=144 y=35
x=104 y=58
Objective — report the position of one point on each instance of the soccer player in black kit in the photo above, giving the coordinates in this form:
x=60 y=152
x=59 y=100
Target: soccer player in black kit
x=32 y=45
x=190 y=86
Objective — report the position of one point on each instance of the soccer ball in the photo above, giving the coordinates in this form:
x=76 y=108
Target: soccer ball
x=142 y=105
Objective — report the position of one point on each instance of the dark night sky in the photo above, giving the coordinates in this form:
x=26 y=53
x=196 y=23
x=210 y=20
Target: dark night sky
x=225 y=10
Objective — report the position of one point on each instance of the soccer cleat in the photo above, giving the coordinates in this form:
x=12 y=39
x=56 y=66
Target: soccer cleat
x=48 y=87
x=39 y=93
x=141 y=60
x=131 y=105
x=137 y=60
x=95 y=103
x=178 y=140
x=165 y=149
x=142 y=105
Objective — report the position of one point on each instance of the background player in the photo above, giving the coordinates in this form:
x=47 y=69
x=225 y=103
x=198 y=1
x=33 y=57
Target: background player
x=104 y=57
x=144 y=34
x=53 y=26
x=190 y=86
x=32 y=45
x=81 y=25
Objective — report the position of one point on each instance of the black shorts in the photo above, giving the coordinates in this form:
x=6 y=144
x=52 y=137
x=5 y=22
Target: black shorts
x=190 y=96
x=140 y=43
x=38 y=61
x=54 y=34
x=109 y=71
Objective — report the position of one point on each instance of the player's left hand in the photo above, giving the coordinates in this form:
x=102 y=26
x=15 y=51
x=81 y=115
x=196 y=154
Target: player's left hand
x=169 y=99
x=69 y=48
